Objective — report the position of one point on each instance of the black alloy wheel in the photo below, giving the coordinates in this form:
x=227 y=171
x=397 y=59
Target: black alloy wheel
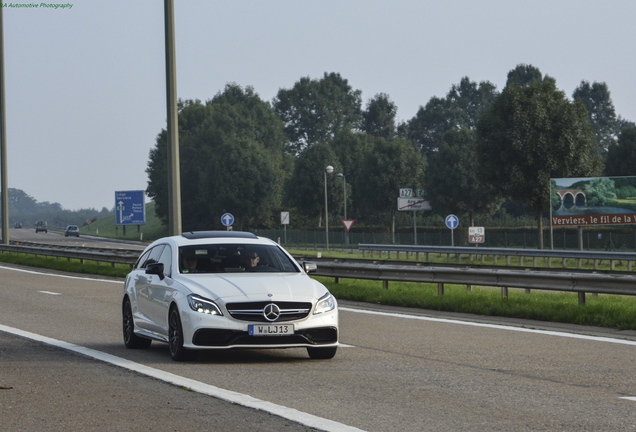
x=175 y=337
x=131 y=340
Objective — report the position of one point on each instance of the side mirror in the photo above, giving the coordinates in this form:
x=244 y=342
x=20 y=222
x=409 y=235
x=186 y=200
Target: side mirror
x=155 y=269
x=310 y=267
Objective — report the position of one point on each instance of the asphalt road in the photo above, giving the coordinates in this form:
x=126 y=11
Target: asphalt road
x=400 y=370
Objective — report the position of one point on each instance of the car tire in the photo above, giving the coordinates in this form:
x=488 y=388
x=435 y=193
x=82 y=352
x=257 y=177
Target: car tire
x=131 y=340
x=322 y=353
x=175 y=337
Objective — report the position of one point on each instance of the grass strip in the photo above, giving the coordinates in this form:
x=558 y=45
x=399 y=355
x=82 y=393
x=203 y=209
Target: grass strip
x=610 y=311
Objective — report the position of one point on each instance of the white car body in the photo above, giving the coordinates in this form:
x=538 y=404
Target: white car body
x=278 y=303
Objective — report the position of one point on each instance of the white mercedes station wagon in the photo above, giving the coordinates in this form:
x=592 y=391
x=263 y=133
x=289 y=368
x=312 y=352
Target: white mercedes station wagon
x=226 y=289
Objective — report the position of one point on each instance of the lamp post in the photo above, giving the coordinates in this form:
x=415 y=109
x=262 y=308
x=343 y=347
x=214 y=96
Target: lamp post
x=328 y=170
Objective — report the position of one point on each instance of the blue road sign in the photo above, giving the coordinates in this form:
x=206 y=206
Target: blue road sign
x=130 y=208
x=227 y=219
x=452 y=221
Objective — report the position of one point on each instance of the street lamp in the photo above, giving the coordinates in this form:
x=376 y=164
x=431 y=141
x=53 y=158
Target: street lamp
x=328 y=170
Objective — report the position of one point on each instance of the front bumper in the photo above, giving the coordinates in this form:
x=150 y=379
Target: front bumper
x=203 y=331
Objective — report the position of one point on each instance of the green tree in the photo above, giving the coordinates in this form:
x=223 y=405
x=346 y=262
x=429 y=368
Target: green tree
x=601 y=113
x=530 y=135
x=231 y=160
x=314 y=111
x=461 y=108
x=621 y=156
x=378 y=119
x=452 y=183
x=523 y=75
x=387 y=167
x=599 y=191
x=305 y=191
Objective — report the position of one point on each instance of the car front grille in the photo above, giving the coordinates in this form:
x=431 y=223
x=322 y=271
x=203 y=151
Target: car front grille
x=254 y=311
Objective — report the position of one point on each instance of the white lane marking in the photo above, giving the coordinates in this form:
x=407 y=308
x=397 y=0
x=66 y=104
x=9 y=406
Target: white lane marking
x=49 y=292
x=303 y=418
x=493 y=326
x=629 y=398
x=59 y=275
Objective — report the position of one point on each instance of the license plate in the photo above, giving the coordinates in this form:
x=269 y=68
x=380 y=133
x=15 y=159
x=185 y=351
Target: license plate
x=271 y=329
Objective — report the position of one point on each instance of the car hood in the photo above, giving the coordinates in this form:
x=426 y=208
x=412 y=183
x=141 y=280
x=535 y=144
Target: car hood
x=238 y=287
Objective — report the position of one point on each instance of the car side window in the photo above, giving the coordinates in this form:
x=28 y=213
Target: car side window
x=153 y=256
x=142 y=260
x=166 y=260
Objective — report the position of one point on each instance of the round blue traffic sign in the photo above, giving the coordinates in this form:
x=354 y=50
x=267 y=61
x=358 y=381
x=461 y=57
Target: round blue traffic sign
x=227 y=219
x=452 y=221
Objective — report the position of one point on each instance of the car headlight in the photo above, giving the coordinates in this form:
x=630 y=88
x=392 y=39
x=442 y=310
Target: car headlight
x=203 y=305
x=325 y=304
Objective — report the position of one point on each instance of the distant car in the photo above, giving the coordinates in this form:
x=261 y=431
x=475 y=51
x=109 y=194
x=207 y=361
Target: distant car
x=226 y=289
x=41 y=226
x=71 y=230
x=18 y=225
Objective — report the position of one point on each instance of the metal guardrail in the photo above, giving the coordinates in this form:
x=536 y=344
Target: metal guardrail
x=124 y=257
x=563 y=255
x=580 y=283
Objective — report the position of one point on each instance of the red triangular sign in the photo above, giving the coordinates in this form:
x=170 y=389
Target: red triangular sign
x=348 y=223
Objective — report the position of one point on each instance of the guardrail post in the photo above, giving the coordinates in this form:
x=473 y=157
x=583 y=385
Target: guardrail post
x=504 y=292
x=440 y=289
x=581 y=299
x=469 y=288
x=385 y=284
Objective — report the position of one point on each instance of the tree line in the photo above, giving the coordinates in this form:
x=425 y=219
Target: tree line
x=26 y=210
x=476 y=151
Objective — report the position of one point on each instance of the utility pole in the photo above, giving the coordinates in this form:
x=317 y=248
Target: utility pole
x=174 y=185
x=3 y=142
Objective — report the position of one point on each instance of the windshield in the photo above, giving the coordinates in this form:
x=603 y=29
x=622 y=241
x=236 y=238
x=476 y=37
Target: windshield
x=232 y=258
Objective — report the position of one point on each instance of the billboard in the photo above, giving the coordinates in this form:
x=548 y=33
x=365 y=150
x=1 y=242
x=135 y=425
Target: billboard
x=593 y=201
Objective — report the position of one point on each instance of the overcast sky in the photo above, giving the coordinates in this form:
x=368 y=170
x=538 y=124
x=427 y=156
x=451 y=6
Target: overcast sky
x=85 y=85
